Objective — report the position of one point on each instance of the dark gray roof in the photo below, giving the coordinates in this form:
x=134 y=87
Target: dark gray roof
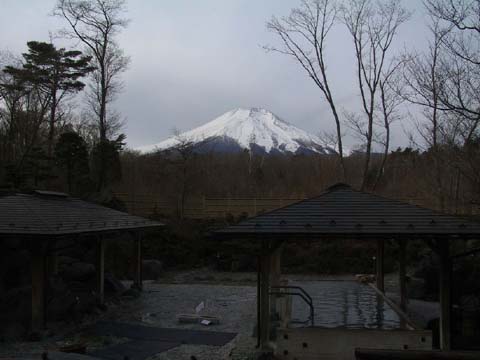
x=49 y=213
x=342 y=211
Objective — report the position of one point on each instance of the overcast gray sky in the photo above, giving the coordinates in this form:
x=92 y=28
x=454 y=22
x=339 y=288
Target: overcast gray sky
x=193 y=60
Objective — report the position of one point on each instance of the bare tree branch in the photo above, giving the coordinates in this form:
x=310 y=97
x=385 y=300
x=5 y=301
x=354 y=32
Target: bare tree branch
x=303 y=35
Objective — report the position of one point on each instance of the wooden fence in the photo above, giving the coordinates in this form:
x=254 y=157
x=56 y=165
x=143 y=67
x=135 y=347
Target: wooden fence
x=202 y=208
x=218 y=208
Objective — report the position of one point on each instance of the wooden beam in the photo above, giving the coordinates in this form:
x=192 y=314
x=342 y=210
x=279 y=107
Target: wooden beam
x=100 y=270
x=265 y=300
x=38 y=267
x=259 y=299
x=405 y=321
x=275 y=276
x=380 y=276
x=378 y=354
x=445 y=294
x=137 y=280
x=402 y=273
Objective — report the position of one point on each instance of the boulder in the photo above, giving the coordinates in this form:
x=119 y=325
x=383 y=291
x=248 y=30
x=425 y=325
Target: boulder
x=113 y=285
x=131 y=293
x=79 y=271
x=152 y=269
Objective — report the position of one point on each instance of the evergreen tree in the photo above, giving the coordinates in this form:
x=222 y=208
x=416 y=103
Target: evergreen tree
x=56 y=72
x=107 y=151
x=71 y=156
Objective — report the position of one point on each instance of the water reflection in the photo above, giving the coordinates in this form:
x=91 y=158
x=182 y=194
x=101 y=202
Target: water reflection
x=345 y=304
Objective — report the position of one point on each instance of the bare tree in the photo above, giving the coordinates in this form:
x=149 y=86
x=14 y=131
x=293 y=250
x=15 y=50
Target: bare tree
x=424 y=77
x=390 y=101
x=329 y=139
x=303 y=35
x=95 y=23
x=103 y=90
x=463 y=16
x=182 y=154
x=461 y=91
x=373 y=26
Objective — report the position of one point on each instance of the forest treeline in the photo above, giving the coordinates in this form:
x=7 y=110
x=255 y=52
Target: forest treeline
x=59 y=129
x=408 y=175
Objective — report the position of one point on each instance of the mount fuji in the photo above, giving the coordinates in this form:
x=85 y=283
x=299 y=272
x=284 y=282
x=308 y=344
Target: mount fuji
x=254 y=129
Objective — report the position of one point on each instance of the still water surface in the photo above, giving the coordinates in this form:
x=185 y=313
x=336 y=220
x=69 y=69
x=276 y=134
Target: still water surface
x=346 y=304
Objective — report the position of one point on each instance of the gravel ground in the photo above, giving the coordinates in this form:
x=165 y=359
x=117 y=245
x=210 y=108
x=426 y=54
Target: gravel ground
x=232 y=299
x=160 y=304
x=229 y=296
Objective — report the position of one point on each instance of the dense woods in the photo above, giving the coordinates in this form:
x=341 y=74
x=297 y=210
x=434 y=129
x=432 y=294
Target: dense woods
x=408 y=175
x=59 y=129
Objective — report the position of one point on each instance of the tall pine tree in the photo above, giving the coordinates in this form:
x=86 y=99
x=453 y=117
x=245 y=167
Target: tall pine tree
x=56 y=72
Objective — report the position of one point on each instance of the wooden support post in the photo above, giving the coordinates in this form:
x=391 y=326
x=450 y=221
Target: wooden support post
x=275 y=276
x=137 y=280
x=402 y=273
x=100 y=269
x=265 y=301
x=38 y=266
x=445 y=294
x=380 y=265
x=259 y=299
x=276 y=266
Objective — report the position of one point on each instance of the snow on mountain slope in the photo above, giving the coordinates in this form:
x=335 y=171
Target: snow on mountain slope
x=256 y=129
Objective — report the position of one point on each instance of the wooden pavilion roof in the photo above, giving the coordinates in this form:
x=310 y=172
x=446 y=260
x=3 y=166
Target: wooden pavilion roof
x=50 y=213
x=343 y=211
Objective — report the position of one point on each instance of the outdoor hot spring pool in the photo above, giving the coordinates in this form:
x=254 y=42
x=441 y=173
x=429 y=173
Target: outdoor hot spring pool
x=346 y=304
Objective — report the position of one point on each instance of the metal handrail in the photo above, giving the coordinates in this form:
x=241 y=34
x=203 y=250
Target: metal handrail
x=302 y=294
x=302 y=290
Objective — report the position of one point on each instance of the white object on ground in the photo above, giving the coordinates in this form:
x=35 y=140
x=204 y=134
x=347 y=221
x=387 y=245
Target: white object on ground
x=199 y=307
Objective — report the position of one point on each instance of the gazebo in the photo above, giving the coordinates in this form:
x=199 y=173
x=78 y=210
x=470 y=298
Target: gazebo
x=44 y=218
x=344 y=213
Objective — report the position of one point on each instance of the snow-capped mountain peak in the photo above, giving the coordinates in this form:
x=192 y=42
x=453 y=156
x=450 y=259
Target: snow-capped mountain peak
x=256 y=129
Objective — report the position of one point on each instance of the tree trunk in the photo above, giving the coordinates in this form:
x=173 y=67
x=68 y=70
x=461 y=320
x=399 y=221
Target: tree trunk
x=103 y=129
x=51 y=130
